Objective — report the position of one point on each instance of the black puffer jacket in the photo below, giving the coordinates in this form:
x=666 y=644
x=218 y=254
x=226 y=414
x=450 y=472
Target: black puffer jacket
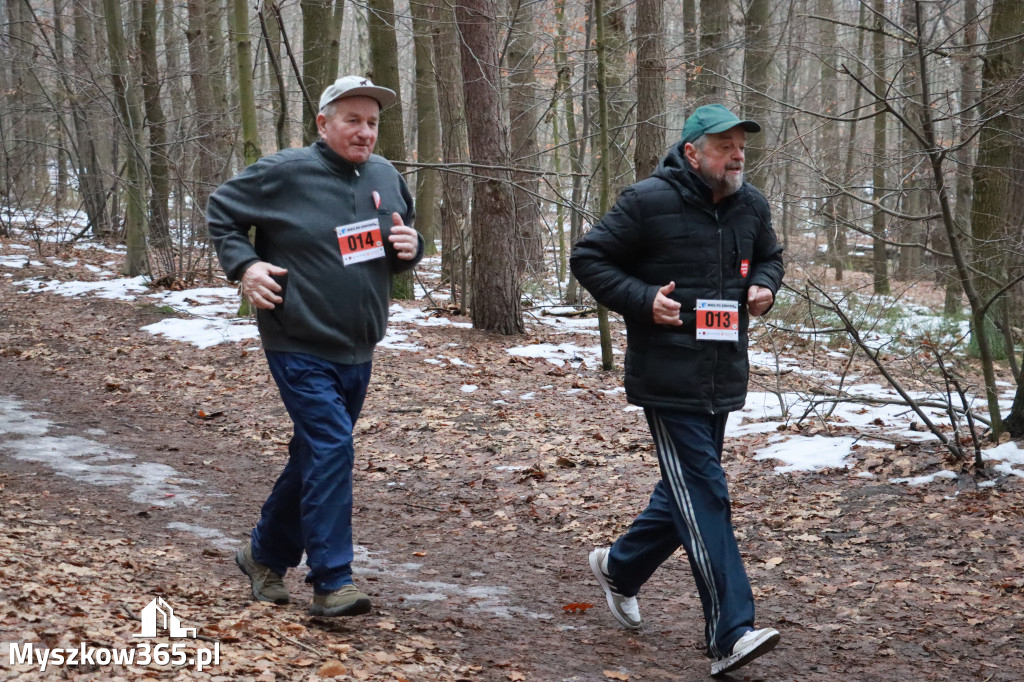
x=663 y=229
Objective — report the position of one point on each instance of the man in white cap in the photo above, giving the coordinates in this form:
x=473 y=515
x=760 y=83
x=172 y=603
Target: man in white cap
x=332 y=226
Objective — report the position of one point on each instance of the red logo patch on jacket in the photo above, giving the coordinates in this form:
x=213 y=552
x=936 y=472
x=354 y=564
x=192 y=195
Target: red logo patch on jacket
x=744 y=268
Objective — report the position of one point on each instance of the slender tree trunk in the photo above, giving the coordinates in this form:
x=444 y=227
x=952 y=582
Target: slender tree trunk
x=337 y=22
x=878 y=221
x=969 y=86
x=994 y=220
x=428 y=137
x=455 y=188
x=270 y=26
x=130 y=112
x=209 y=146
x=90 y=172
x=496 y=295
x=603 y=152
x=846 y=206
x=757 y=63
x=246 y=92
x=523 y=119
x=650 y=89
x=577 y=154
x=712 y=60
x=316 y=59
x=391 y=143
x=159 y=170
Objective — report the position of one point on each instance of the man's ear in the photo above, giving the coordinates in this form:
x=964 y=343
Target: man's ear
x=690 y=152
x=321 y=122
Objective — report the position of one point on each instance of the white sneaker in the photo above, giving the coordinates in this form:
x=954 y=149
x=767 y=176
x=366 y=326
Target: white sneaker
x=623 y=608
x=748 y=647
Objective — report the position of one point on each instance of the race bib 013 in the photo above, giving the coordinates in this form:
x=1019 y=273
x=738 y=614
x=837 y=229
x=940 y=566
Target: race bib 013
x=718 y=320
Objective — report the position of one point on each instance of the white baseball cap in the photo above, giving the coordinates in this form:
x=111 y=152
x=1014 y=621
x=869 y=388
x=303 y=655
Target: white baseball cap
x=356 y=86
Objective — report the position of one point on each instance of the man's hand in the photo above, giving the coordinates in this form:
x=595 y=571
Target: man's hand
x=759 y=300
x=259 y=287
x=666 y=311
x=404 y=239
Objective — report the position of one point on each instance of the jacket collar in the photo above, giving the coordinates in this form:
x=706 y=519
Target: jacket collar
x=335 y=161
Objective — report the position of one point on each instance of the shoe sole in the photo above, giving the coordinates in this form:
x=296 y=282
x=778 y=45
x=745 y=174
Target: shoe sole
x=357 y=608
x=741 y=659
x=252 y=588
x=609 y=596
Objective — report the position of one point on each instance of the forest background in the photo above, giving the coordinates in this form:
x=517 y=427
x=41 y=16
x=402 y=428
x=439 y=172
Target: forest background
x=892 y=154
x=892 y=138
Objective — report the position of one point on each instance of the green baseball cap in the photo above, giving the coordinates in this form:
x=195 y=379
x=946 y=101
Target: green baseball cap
x=714 y=118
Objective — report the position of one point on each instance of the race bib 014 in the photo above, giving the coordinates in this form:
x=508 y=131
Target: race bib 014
x=360 y=241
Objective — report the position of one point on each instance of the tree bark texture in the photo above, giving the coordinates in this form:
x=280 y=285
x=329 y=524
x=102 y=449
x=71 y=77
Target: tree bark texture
x=496 y=298
x=650 y=87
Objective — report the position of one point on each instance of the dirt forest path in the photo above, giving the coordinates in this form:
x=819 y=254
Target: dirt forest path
x=475 y=511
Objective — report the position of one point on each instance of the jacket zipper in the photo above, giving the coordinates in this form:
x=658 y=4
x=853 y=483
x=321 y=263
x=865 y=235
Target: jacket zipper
x=721 y=295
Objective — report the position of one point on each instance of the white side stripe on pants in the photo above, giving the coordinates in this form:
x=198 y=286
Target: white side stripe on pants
x=677 y=485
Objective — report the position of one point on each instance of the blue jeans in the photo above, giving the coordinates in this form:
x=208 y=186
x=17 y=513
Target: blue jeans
x=310 y=507
x=690 y=507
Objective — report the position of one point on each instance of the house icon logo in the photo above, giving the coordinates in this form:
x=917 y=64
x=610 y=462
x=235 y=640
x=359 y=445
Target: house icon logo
x=159 y=613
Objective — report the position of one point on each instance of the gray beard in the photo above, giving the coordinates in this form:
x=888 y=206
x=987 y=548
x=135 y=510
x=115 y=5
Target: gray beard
x=724 y=184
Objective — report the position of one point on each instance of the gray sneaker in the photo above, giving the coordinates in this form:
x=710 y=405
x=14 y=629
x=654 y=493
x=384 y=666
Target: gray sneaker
x=623 y=608
x=345 y=601
x=748 y=647
x=267 y=585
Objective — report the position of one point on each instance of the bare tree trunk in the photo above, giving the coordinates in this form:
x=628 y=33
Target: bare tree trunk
x=603 y=152
x=846 y=206
x=650 y=88
x=577 y=154
x=159 y=171
x=130 y=111
x=455 y=188
x=391 y=143
x=621 y=97
x=522 y=113
x=757 y=63
x=828 y=138
x=1000 y=154
x=711 y=62
x=428 y=130
x=337 y=22
x=246 y=93
x=965 y=160
x=316 y=59
x=271 y=28
x=879 y=259
x=496 y=296
x=83 y=115
x=209 y=146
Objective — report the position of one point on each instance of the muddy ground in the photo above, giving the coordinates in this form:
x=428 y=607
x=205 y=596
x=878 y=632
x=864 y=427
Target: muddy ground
x=476 y=518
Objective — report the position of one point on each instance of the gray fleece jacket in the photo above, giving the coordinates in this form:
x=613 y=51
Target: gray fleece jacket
x=295 y=199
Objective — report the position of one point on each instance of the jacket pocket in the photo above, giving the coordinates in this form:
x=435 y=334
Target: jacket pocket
x=668 y=366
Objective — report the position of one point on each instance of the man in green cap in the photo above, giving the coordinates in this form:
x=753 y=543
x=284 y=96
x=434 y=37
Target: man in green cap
x=686 y=256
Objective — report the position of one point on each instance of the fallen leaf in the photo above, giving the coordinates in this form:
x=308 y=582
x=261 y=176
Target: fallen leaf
x=615 y=675
x=332 y=668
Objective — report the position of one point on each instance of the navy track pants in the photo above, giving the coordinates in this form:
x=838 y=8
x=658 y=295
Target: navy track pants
x=310 y=507
x=690 y=506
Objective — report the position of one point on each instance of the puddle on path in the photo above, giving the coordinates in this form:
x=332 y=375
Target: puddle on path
x=25 y=435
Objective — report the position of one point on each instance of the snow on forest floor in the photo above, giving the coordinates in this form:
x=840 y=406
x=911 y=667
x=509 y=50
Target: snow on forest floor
x=206 y=316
